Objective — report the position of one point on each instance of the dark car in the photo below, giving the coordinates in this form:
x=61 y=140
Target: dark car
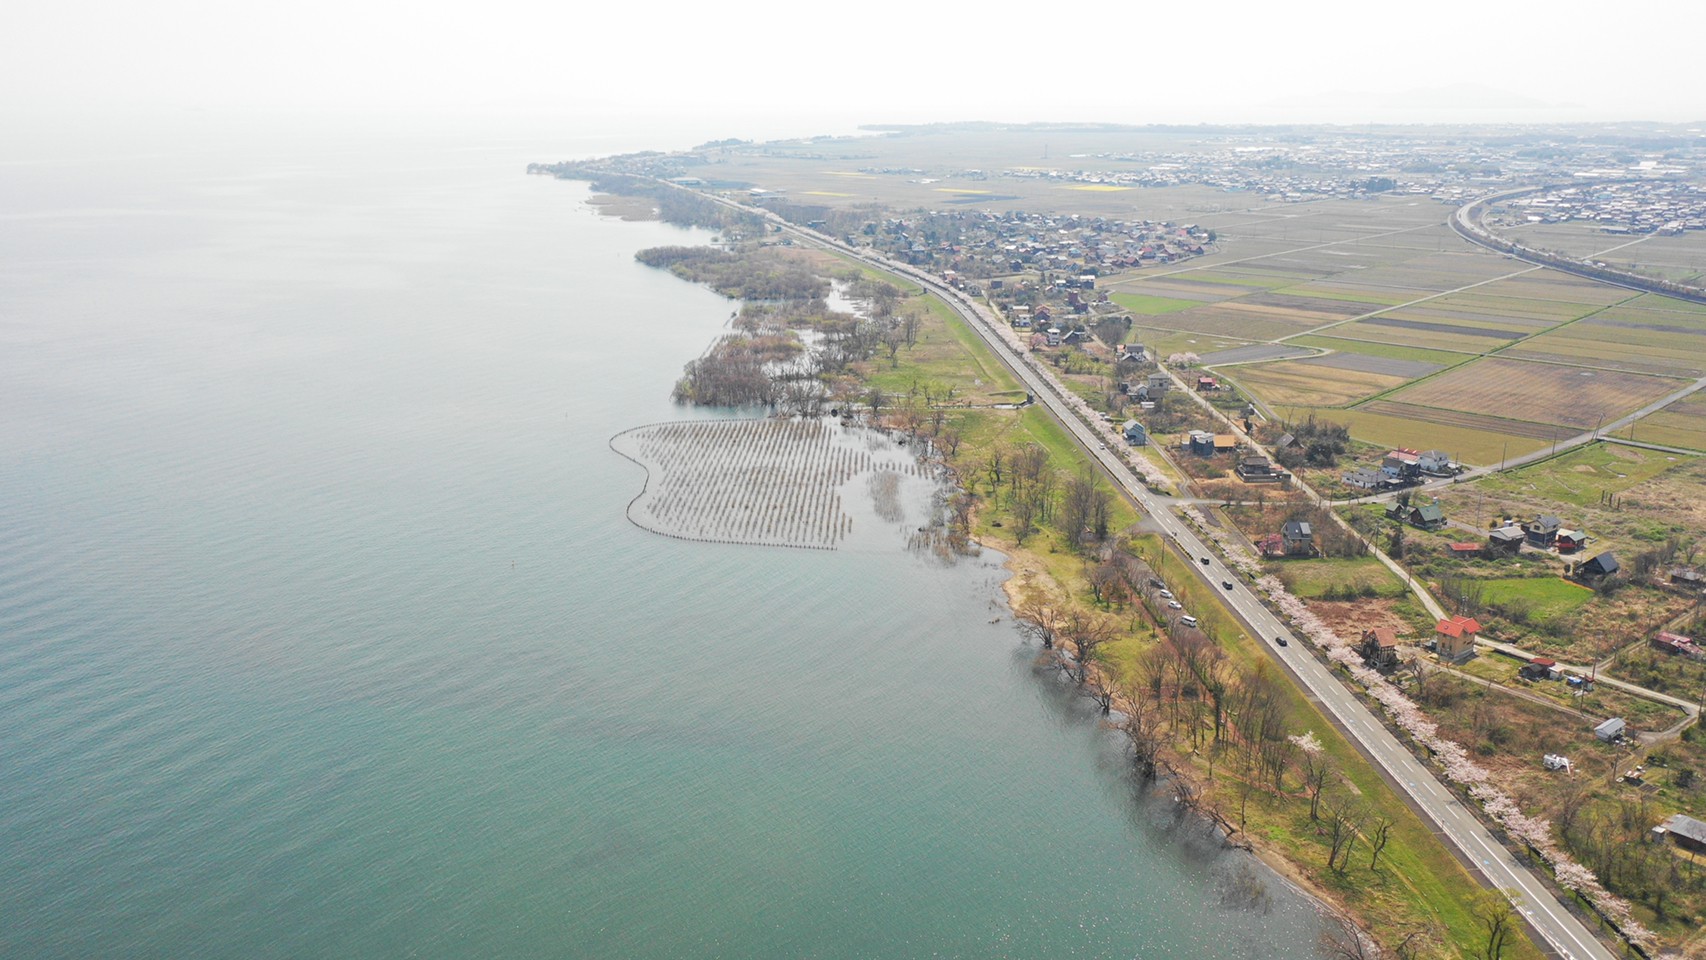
x=1281 y=641
x=1205 y=561
x=1227 y=584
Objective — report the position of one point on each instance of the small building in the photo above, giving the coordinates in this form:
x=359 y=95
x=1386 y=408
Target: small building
x=1200 y=442
x=1454 y=639
x=1465 y=549
x=1158 y=384
x=1225 y=443
x=1540 y=668
x=1135 y=434
x=1542 y=531
x=1298 y=537
x=1506 y=541
x=1611 y=730
x=1686 y=832
x=1687 y=578
x=1285 y=440
x=1677 y=644
x=1598 y=568
x=1569 y=541
x=1207 y=384
x=1379 y=649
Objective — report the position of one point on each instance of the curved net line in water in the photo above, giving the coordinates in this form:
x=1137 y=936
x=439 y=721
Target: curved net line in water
x=769 y=482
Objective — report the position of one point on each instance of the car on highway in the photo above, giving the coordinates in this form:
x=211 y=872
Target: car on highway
x=1205 y=561
x=1175 y=605
x=1227 y=584
x=1281 y=641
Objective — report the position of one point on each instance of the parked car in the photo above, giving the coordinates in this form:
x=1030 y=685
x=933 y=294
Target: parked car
x=1188 y=621
x=1166 y=594
x=1175 y=605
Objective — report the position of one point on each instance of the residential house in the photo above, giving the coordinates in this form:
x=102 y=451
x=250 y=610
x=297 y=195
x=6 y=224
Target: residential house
x=1686 y=832
x=1200 y=442
x=1258 y=470
x=1426 y=516
x=1436 y=463
x=1379 y=649
x=1402 y=465
x=1298 y=537
x=1135 y=434
x=1158 y=384
x=1506 y=541
x=1365 y=479
x=1206 y=384
x=1454 y=639
x=1542 y=531
x=1465 y=549
x=1285 y=440
x=1598 y=568
x=1611 y=729
x=1570 y=541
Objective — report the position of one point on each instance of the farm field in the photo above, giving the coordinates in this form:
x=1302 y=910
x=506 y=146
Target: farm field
x=1543 y=393
x=1151 y=305
x=1681 y=424
x=1469 y=439
x=1310 y=383
x=1621 y=342
x=1345 y=345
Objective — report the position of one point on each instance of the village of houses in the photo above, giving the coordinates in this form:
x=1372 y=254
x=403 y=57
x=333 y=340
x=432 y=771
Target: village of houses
x=1562 y=718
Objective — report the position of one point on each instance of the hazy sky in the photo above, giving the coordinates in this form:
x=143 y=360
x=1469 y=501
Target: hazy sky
x=831 y=64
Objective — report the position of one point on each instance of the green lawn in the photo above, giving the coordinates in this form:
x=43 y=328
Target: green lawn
x=1581 y=476
x=1547 y=597
x=1338 y=578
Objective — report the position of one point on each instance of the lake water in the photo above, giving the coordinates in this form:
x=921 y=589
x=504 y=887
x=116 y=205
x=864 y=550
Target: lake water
x=323 y=632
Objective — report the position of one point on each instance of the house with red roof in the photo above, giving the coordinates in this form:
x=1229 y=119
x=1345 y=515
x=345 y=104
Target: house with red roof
x=1454 y=639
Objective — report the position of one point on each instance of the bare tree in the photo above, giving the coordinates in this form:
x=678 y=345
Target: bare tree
x=1087 y=632
x=1497 y=919
x=1342 y=824
x=1039 y=622
x=1378 y=835
x=1343 y=939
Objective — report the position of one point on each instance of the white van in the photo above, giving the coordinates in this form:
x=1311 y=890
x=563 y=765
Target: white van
x=1188 y=621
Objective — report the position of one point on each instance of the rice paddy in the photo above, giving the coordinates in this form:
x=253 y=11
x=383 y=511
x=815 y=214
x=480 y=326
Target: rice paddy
x=1545 y=393
x=767 y=482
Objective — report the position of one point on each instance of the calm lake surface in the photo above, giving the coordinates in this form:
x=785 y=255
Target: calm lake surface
x=323 y=632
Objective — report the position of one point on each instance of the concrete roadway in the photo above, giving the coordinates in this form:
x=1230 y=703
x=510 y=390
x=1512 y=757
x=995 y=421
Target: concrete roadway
x=1566 y=935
